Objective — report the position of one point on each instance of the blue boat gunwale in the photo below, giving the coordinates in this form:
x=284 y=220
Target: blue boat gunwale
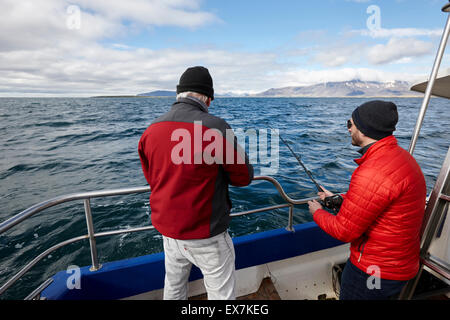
x=133 y=276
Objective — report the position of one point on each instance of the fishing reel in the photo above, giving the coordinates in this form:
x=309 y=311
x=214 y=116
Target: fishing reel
x=333 y=202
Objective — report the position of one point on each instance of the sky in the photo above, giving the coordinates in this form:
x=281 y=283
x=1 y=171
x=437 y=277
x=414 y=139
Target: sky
x=84 y=48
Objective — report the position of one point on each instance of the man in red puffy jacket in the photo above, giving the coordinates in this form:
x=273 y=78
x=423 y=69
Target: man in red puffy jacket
x=381 y=214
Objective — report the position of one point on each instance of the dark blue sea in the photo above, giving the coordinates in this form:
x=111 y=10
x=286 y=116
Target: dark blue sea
x=56 y=146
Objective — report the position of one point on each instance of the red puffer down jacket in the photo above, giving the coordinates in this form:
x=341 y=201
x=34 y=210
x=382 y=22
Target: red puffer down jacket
x=382 y=212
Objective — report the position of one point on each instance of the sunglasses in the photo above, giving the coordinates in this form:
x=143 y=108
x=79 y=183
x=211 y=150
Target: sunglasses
x=349 y=124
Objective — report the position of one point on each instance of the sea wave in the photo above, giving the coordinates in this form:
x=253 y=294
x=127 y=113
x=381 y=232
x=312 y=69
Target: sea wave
x=59 y=146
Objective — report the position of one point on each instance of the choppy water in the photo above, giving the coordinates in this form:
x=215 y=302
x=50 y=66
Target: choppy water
x=55 y=146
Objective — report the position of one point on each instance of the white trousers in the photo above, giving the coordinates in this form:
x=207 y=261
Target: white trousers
x=214 y=256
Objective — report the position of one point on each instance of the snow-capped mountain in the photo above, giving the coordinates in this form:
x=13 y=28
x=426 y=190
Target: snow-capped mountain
x=353 y=88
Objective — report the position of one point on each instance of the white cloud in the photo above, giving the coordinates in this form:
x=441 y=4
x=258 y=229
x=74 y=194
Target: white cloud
x=99 y=70
x=107 y=71
x=446 y=72
x=398 y=32
x=308 y=77
x=40 y=55
x=183 y=13
x=397 y=49
x=338 y=55
x=33 y=24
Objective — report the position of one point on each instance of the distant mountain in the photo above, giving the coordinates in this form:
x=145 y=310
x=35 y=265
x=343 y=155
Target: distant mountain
x=353 y=88
x=231 y=95
x=158 y=93
x=165 y=93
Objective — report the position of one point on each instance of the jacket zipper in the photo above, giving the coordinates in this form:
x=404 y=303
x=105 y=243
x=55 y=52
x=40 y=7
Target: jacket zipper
x=363 y=244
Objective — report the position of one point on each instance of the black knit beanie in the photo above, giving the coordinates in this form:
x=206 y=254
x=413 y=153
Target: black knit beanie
x=196 y=79
x=376 y=119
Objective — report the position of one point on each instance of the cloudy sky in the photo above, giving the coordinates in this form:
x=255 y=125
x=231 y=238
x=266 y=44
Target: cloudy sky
x=106 y=47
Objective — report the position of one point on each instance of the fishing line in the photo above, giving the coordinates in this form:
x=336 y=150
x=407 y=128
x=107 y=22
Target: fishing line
x=332 y=202
x=319 y=188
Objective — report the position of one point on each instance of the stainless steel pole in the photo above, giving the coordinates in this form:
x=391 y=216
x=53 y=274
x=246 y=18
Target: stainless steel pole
x=90 y=228
x=291 y=219
x=434 y=73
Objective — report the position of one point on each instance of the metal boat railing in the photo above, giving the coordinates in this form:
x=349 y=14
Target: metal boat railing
x=92 y=236
x=432 y=79
x=439 y=199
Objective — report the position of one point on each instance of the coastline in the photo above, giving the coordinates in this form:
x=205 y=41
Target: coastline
x=265 y=97
x=218 y=97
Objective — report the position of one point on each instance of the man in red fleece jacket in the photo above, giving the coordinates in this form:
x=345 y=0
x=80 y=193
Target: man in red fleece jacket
x=382 y=212
x=189 y=158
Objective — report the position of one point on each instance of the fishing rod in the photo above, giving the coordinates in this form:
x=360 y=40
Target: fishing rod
x=319 y=188
x=332 y=202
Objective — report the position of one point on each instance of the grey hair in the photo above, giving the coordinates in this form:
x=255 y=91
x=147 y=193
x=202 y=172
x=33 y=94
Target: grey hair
x=199 y=96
